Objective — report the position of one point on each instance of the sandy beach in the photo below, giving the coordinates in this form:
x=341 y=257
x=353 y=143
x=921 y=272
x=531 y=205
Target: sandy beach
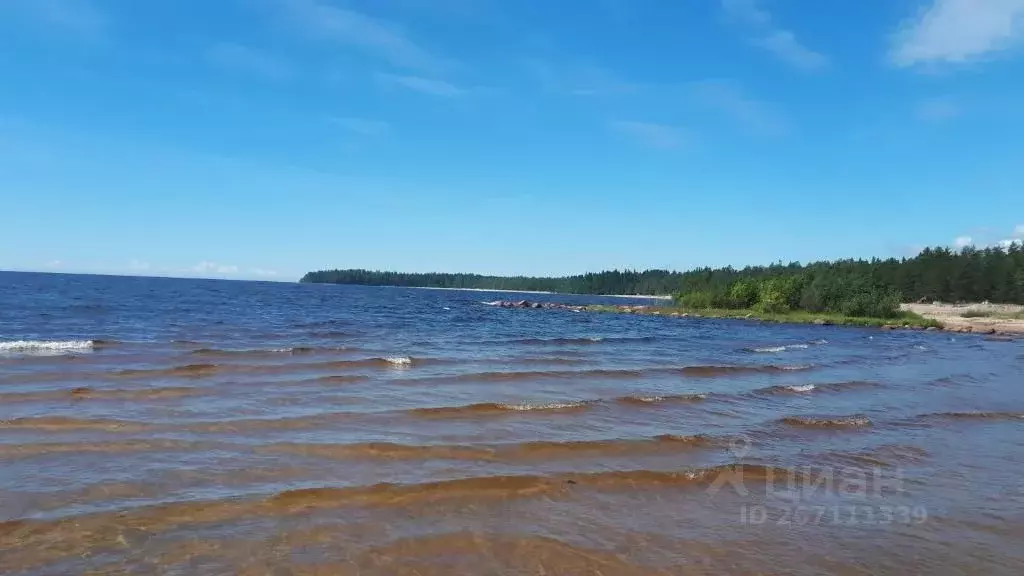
x=984 y=317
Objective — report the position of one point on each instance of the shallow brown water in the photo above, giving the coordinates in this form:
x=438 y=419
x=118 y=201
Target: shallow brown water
x=184 y=427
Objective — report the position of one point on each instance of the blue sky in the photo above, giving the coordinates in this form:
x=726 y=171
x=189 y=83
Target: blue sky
x=265 y=138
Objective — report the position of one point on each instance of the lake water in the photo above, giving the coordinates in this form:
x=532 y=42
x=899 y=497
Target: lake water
x=214 y=427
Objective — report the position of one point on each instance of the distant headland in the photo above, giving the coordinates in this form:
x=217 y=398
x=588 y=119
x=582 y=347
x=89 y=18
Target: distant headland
x=839 y=291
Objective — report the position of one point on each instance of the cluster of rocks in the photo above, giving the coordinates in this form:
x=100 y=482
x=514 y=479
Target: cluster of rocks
x=537 y=305
x=960 y=329
x=573 y=307
x=991 y=334
x=972 y=329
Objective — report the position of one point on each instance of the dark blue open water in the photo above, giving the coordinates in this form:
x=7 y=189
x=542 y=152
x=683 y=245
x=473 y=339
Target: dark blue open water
x=214 y=427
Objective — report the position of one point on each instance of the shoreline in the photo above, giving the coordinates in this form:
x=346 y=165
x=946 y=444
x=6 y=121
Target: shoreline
x=910 y=319
x=637 y=296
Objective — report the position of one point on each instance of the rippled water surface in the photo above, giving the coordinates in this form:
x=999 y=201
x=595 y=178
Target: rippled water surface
x=210 y=427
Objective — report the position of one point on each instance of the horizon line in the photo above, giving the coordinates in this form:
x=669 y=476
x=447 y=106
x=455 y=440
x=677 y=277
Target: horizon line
x=124 y=275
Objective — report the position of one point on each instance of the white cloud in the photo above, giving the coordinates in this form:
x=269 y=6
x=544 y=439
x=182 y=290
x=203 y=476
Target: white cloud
x=1017 y=237
x=207 y=267
x=263 y=272
x=424 y=85
x=138 y=266
x=728 y=97
x=244 y=59
x=650 y=134
x=936 y=109
x=785 y=46
x=747 y=12
x=363 y=126
x=379 y=37
x=54 y=264
x=958 y=31
x=782 y=43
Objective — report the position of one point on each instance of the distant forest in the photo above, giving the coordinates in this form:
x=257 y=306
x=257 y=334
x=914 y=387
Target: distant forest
x=969 y=275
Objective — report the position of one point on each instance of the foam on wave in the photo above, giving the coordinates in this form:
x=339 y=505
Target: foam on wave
x=494 y=408
x=787 y=347
x=642 y=399
x=47 y=347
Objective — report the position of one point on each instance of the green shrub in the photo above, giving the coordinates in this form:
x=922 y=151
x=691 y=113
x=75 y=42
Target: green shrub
x=773 y=296
x=822 y=294
x=874 y=304
x=818 y=293
x=743 y=294
x=695 y=300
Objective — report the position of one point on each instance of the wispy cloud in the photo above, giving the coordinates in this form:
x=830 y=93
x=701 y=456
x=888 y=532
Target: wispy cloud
x=727 y=97
x=53 y=264
x=649 y=133
x=264 y=272
x=138 y=266
x=578 y=80
x=784 y=45
x=958 y=31
x=207 y=267
x=363 y=126
x=987 y=239
x=764 y=33
x=936 y=109
x=248 y=60
x=79 y=17
x=379 y=37
x=425 y=85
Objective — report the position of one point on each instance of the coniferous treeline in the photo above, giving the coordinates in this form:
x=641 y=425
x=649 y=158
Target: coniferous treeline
x=613 y=282
x=971 y=274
